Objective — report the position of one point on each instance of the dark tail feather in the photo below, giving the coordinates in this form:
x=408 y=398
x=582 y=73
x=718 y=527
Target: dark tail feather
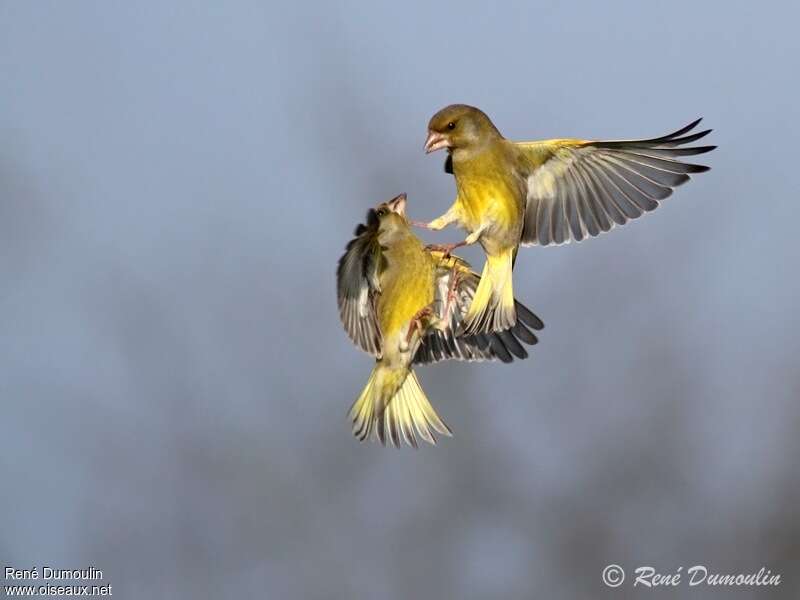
x=527 y=316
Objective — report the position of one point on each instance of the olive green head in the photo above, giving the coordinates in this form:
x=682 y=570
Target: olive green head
x=459 y=126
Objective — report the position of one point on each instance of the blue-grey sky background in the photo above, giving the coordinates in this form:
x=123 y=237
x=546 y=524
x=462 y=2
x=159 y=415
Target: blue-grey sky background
x=177 y=182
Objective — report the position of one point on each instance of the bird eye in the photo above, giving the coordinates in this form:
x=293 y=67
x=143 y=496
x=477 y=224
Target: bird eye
x=451 y=125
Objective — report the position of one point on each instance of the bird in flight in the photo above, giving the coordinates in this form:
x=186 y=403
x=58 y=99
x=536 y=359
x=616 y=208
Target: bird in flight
x=404 y=303
x=511 y=194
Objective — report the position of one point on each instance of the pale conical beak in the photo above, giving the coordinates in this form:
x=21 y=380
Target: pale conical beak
x=398 y=204
x=435 y=141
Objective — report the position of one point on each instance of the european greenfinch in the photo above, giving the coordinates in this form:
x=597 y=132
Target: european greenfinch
x=403 y=303
x=547 y=192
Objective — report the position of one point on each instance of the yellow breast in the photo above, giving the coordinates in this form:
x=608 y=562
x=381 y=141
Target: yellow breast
x=485 y=200
x=489 y=191
x=407 y=286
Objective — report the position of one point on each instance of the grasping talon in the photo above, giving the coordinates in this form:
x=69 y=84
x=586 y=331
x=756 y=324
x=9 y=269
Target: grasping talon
x=444 y=248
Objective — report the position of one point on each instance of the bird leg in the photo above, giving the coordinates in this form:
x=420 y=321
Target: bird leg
x=445 y=248
x=451 y=295
x=448 y=248
x=451 y=216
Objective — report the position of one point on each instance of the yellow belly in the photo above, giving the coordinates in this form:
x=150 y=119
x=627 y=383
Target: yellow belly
x=493 y=206
x=407 y=288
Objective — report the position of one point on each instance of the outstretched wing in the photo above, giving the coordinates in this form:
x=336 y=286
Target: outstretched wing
x=580 y=188
x=455 y=275
x=357 y=286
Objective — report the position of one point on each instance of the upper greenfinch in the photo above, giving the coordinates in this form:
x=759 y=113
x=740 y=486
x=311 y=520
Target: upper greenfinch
x=546 y=192
x=403 y=303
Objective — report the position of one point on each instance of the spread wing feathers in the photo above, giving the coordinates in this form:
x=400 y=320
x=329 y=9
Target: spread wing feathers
x=357 y=284
x=455 y=276
x=579 y=188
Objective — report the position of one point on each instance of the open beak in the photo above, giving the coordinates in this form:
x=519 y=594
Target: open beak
x=398 y=204
x=435 y=141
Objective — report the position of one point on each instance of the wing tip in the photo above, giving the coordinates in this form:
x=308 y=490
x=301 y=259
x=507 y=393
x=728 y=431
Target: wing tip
x=703 y=149
x=694 y=123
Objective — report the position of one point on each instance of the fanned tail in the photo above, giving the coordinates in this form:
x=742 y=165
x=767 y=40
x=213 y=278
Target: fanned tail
x=492 y=308
x=392 y=406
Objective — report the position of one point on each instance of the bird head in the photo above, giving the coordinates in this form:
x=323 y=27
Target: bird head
x=459 y=126
x=388 y=219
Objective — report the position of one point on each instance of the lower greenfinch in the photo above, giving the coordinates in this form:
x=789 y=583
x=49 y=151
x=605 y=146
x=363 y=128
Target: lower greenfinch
x=403 y=303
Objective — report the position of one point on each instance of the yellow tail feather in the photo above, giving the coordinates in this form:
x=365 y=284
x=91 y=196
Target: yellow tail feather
x=394 y=405
x=492 y=308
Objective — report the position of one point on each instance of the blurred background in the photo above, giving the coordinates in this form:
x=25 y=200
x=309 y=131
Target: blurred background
x=177 y=182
